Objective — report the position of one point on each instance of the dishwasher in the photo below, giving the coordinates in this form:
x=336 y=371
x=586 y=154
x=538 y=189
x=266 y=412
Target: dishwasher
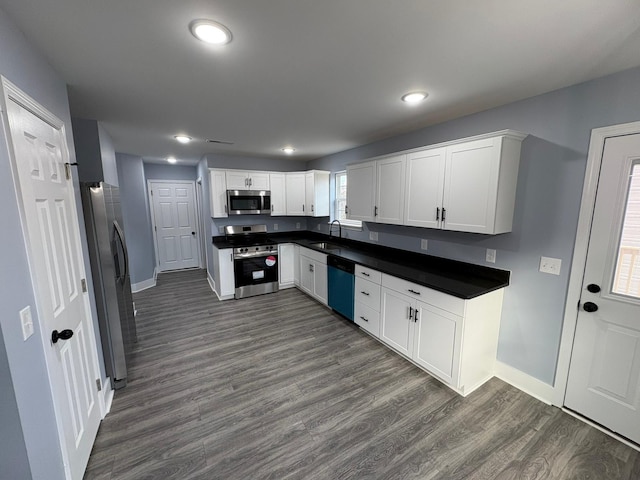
x=341 y=283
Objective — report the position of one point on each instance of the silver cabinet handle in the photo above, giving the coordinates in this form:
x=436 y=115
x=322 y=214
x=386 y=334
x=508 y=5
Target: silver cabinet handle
x=410 y=313
x=444 y=211
x=312 y=208
x=363 y=318
x=225 y=209
x=231 y=255
x=415 y=315
x=250 y=181
x=346 y=209
x=311 y=267
x=413 y=291
x=365 y=274
x=365 y=293
x=303 y=207
x=437 y=214
x=375 y=211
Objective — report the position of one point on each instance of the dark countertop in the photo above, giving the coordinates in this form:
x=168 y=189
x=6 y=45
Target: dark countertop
x=460 y=279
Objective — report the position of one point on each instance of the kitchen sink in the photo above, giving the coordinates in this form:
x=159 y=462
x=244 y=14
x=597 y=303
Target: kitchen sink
x=326 y=246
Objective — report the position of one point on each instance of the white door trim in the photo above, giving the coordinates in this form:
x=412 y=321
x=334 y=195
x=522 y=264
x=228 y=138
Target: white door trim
x=592 y=175
x=200 y=222
x=11 y=92
x=153 y=216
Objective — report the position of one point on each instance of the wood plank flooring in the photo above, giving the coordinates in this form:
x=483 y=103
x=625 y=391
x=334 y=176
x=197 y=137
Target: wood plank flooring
x=279 y=387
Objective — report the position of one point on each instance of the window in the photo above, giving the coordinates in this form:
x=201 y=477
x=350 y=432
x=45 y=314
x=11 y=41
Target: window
x=341 y=202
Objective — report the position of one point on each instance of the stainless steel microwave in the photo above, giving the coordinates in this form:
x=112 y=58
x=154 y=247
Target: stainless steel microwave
x=249 y=202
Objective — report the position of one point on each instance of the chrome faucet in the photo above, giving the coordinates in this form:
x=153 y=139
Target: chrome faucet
x=339 y=228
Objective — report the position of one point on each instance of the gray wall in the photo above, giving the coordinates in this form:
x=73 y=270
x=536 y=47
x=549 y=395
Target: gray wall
x=550 y=181
x=239 y=162
x=137 y=218
x=154 y=171
x=28 y=382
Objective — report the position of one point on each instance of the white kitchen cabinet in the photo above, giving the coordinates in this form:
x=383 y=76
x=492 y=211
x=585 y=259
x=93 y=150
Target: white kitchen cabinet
x=480 y=185
x=316 y=195
x=243 y=180
x=286 y=265
x=218 y=193
x=296 y=265
x=390 y=190
x=467 y=185
x=224 y=278
x=295 y=187
x=453 y=339
x=424 y=188
x=278 y=185
x=367 y=297
x=313 y=274
x=361 y=191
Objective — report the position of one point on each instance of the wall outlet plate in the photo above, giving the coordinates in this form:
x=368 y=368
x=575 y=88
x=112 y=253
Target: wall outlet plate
x=491 y=255
x=275 y=226
x=298 y=225
x=319 y=227
x=550 y=265
x=373 y=236
x=424 y=244
x=221 y=230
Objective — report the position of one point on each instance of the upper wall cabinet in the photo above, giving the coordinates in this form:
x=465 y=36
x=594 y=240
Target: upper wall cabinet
x=218 y=193
x=278 y=194
x=467 y=185
x=295 y=193
x=316 y=193
x=241 y=180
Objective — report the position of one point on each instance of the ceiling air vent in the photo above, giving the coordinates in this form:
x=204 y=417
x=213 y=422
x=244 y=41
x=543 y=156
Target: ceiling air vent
x=221 y=142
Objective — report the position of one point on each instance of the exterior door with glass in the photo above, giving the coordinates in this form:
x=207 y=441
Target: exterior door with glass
x=604 y=376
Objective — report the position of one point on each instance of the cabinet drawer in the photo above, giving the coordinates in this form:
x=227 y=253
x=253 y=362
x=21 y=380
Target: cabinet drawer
x=432 y=297
x=367 y=319
x=368 y=274
x=367 y=293
x=313 y=255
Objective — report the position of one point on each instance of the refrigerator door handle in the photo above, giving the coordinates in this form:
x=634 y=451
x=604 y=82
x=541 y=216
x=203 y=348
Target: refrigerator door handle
x=120 y=235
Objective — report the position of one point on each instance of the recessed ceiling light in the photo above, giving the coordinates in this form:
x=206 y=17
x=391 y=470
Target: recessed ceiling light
x=183 y=138
x=210 y=32
x=288 y=150
x=171 y=160
x=414 y=98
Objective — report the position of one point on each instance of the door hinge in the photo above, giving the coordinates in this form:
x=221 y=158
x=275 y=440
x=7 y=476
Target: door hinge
x=83 y=282
x=99 y=384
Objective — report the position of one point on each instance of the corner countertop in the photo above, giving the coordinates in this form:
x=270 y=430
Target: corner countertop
x=460 y=279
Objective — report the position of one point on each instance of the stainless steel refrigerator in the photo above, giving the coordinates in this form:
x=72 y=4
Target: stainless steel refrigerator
x=111 y=282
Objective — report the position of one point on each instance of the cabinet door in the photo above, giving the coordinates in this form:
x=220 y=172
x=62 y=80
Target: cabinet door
x=437 y=342
x=237 y=180
x=471 y=186
x=397 y=329
x=424 y=188
x=278 y=194
x=227 y=280
x=320 y=286
x=259 y=181
x=286 y=265
x=306 y=275
x=295 y=193
x=390 y=190
x=296 y=265
x=309 y=194
x=218 y=193
x=361 y=191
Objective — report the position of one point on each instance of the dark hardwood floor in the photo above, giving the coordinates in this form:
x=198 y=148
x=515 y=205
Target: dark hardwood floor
x=278 y=387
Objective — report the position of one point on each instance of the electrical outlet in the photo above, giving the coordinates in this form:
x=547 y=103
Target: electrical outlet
x=373 y=236
x=319 y=227
x=491 y=255
x=27 y=322
x=550 y=265
x=275 y=226
x=221 y=230
x=298 y=225
x=424 y=244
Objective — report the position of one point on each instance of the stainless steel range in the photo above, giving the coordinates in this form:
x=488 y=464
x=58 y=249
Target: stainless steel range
x=255 y=260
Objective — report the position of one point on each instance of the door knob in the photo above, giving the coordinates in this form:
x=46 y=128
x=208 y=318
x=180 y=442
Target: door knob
x=63 y=335
x=593 y=288
x=193 y=233
x=590 y=307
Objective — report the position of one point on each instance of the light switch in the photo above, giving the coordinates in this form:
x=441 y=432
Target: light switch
x=424 y=244
x=491 y=255
x=373 y=236
x=275 y=226
x=298 y=225
x=27 y=322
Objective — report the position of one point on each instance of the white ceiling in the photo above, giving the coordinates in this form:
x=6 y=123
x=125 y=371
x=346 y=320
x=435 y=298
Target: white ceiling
x=323 y=75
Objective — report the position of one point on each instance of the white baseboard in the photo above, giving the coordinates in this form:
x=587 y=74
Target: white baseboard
x=212 y=282
x=525 y=382
x=138 y=287
x=107 y=397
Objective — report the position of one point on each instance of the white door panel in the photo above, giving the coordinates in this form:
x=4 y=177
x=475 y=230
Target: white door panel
x=604 y=375
x=175 y=225
x=51 y=231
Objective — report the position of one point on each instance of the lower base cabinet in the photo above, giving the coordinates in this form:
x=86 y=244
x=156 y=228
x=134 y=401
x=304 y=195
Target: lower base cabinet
x=286 y=265
x=455 y=340
x=225 y=283
x=313 y=274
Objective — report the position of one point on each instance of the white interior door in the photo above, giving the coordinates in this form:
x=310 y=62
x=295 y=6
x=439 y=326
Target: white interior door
x=52 y=233
x=175 y=226
x=604 y=376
